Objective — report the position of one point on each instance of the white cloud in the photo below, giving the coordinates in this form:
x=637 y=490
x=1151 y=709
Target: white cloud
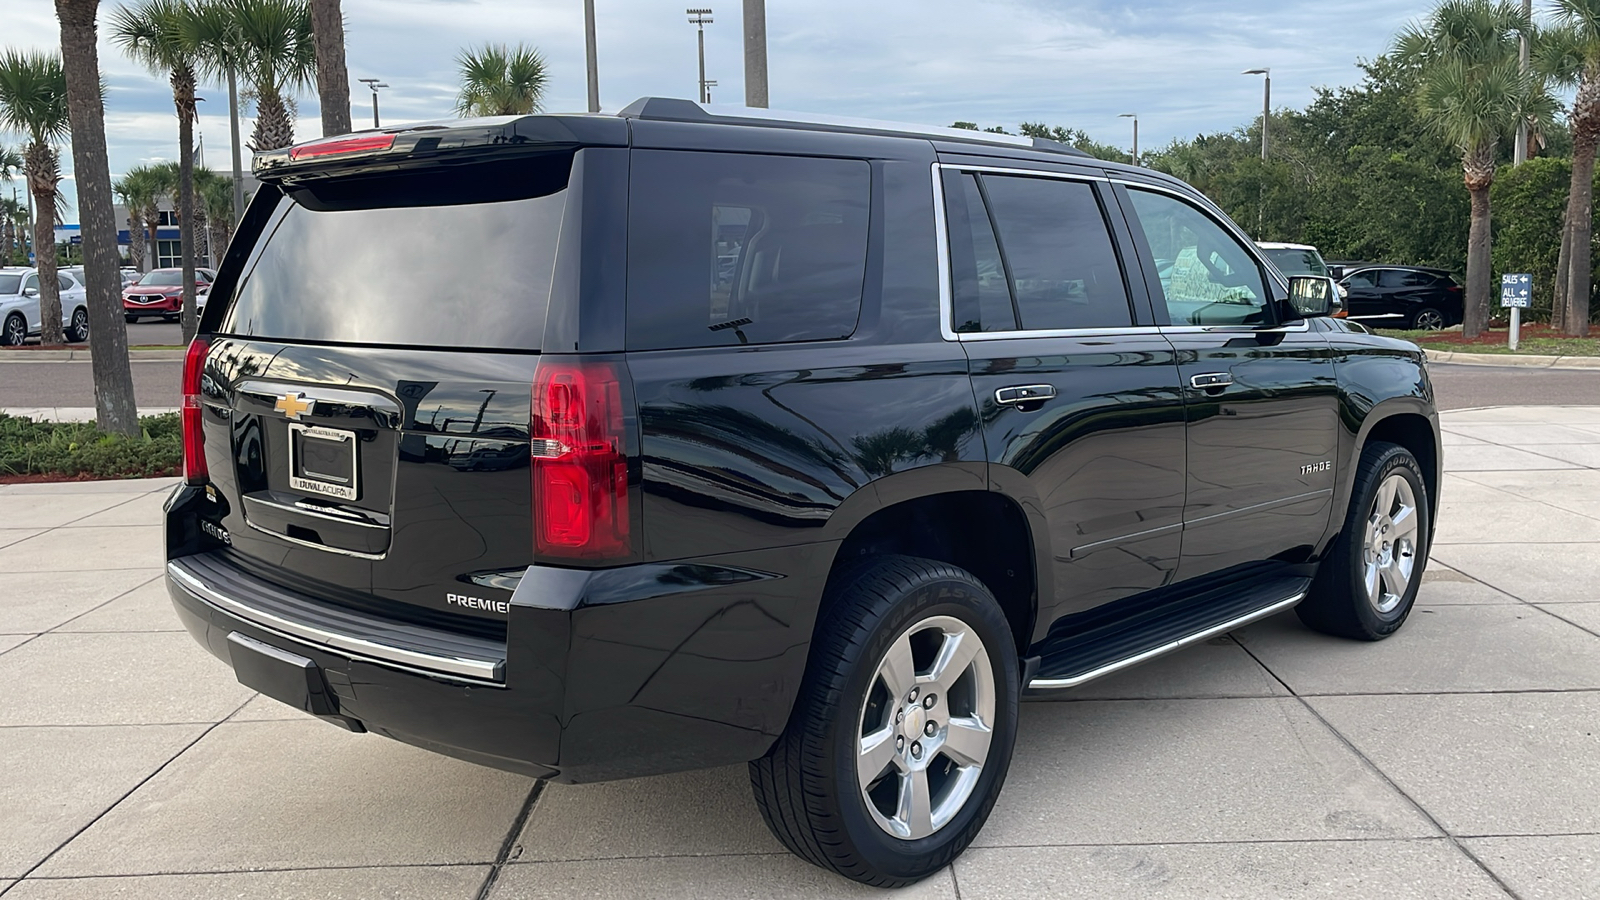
x=1069 y=62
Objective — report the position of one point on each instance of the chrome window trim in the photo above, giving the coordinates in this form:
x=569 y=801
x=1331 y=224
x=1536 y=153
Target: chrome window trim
x=1207 y=208
x=410 y=660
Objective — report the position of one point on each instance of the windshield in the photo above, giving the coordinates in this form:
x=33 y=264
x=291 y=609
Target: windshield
x=1297 y=262
x=10 y=283
x=163 y=278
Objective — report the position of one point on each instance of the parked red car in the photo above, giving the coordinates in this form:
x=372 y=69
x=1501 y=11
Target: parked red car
x=160 y=293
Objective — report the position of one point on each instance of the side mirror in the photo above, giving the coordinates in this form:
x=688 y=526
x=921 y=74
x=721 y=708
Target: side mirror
x=1336 y=273
x=1312 y=296
x=30 y=292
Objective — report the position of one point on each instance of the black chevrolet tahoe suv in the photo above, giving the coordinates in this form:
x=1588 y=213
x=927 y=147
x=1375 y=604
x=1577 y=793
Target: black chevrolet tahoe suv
x=597 y=446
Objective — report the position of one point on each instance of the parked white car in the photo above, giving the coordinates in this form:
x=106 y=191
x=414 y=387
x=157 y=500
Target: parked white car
x=19 y=306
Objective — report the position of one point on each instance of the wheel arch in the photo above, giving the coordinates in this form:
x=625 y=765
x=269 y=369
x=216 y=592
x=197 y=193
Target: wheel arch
x=956 y=520
x=1412 y=424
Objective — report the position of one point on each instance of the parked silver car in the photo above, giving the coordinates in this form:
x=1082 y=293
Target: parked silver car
x=19 y=306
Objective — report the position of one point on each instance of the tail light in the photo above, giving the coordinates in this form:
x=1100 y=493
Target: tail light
x=580 y=462
x=194 y=443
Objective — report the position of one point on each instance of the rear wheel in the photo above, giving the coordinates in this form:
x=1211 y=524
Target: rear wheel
x=78 y=331
x=1367 y=584
x=15 y=331
x=1427 y=320
x=903 y=730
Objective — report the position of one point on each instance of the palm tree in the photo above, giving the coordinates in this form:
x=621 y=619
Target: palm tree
x=1472 y=94
x=333 y=79
x=148 y=186
x=12 y=165
x=33 y=101
x=1570 y=54
x=215 y=194
x=108 y=337
x=10 y=212
x=125 y=194
x=160 y=35
x=271 y=43
x=497 y=80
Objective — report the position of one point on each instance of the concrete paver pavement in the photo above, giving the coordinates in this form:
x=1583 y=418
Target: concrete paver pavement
x=1459 y=759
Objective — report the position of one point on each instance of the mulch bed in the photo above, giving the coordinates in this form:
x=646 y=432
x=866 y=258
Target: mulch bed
x=1495 y=336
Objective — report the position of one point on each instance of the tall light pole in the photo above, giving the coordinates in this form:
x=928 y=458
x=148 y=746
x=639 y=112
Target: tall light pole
x=1266 y=105
x=700 y=18
x=589 y=54
x=755 y=53
x=374 y=84
x=1520 y=152
x=1135 y=118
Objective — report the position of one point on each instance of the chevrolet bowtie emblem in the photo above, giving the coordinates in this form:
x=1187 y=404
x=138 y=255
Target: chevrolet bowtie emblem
x=294 y=405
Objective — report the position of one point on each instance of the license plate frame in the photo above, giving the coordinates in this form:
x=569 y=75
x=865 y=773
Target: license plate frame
x=323 y=483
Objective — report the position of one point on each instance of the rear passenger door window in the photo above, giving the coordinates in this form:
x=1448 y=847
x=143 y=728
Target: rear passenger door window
x=744 y=249
x=1206 y=274
x=1042 y=243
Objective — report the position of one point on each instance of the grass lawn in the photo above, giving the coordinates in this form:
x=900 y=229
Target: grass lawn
x=1537 y=340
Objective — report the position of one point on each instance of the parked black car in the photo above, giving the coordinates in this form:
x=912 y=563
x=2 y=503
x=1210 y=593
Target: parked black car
x=1403 y=297
x=835 y=439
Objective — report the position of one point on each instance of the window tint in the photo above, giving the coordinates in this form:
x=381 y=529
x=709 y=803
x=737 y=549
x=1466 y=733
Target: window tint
x=1416 y=279
x=1296 y=262
x=1391 y=278
x=65 y=281
x=31 y=284
x=347 y=266
x=735 y=248
x=1208 y=276
x=1058 y=253
x=1362 y=279
x=10 y=283
x=982 y=298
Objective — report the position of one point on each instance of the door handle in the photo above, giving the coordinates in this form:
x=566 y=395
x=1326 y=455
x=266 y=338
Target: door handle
x=1026 y=393
x=1211 y=381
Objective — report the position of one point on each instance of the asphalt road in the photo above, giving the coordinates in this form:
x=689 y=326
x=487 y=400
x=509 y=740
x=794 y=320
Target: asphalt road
x=29 y=384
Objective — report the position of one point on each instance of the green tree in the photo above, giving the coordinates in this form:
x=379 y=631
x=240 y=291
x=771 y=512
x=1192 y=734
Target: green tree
x=33 y=102
x=1571 y=54
x=124 y=192
x=215 y=195
x=1076 y=139
x=1531 y=200
x=146 y=187
x=11 y=165
x=270 y=43
x=161 y=36
x=108 y=337
x=1472 y=94
x=333 y=79
x=498 y=80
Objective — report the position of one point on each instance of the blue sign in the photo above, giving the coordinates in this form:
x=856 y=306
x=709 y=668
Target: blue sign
x=1516 y=291
x=75 y=240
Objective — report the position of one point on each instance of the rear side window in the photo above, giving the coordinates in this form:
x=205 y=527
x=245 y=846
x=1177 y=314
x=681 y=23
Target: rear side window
x=455 y=259
x=1062 y=268
x=730 y=249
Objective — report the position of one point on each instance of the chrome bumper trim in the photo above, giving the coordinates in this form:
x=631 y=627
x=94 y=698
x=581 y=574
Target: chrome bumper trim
x=1107 y=669
x=424 y=663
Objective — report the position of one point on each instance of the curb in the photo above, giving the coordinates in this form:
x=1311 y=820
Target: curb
x=1511 y=359
x=82 y=355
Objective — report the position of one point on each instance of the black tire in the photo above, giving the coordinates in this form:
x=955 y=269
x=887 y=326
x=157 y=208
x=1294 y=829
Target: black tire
x=1340 y=602
x=78 y=331
x=1428 y=318
x=806 y=786
x=15 y=331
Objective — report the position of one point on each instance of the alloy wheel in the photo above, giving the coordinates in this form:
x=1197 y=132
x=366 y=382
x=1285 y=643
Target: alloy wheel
x=16 y=331
x=1389 y=544
x=1428 y=320
x=80 y=326
x=925 y=727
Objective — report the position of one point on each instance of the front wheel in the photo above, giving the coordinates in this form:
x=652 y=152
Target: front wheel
x=903 y=729
x=1368 y=582
x=15 y=331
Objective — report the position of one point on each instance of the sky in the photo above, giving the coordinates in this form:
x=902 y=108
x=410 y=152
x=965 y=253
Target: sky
x=1075 y=63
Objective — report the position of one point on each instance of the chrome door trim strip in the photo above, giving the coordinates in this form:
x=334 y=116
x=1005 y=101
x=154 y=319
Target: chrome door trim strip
x=360 y=648
x=1051 y=684
x=1084 y=550
x=1258 y=507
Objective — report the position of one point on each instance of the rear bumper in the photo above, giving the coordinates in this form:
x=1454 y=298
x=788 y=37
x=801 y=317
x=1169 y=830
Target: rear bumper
x=604 y=675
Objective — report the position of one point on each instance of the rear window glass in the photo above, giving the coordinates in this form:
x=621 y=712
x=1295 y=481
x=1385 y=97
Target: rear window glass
x=1297 y=262
x=735 y=249
x=350 y=265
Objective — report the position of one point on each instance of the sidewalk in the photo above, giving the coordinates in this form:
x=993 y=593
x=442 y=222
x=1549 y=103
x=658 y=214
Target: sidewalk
x=1460 y=759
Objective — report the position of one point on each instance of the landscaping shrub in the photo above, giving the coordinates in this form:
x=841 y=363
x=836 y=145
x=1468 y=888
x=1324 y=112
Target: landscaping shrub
x=78 y=449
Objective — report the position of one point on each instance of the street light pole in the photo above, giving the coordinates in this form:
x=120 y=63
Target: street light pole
x=374 y=84
x=700 y=18
x=1135 y=118
x=1266 y=105
x=589 y=52
x=755 y=53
